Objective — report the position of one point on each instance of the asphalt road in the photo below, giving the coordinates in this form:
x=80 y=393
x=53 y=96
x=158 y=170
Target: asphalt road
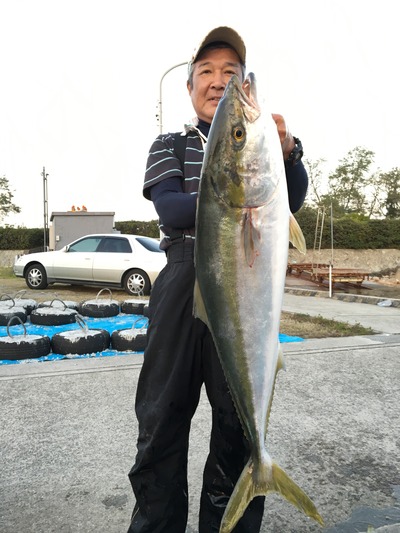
x=68 y=435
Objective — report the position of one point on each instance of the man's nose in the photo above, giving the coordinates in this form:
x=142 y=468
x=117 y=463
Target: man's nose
x=219 y=81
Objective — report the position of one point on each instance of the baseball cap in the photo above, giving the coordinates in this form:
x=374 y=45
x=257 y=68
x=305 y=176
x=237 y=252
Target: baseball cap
x=222 y=34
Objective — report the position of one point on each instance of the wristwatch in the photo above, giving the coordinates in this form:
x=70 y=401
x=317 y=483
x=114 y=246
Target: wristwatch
x=296 y=154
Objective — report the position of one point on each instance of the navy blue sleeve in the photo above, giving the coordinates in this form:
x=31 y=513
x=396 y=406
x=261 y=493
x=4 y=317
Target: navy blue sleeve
x=175 y=208
x=297 y=184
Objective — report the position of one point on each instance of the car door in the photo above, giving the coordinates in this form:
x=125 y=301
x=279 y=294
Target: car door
x=112 y=259
x=76 y=261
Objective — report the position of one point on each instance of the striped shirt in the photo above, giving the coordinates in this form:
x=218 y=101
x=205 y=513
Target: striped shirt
x=163 y=163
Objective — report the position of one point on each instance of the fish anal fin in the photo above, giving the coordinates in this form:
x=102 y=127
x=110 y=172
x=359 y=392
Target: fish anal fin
x=296 y=236
x=280 y=365
x=199 y=310
x=281 y=361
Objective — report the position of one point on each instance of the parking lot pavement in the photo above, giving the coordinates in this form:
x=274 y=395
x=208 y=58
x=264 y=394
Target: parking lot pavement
x=68 y=434
x=380 y=318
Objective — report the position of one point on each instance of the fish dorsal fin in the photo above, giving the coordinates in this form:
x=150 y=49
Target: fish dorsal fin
x=296 y=236
x=251 y=238
x=199 y=310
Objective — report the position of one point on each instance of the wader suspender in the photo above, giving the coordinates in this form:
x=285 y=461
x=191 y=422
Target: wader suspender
x=180 y=148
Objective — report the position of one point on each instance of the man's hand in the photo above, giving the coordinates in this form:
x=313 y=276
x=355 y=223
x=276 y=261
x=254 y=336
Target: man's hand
x=285 y=136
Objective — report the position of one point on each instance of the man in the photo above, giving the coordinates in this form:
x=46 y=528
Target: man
x=180 y=354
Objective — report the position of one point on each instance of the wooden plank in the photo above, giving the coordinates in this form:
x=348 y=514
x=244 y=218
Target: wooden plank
x=321 y=272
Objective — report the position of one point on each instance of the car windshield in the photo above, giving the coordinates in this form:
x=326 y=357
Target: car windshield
x=153 y=245
x=85 y=245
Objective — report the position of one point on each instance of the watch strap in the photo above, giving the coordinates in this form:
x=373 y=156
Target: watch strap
x=297 y=153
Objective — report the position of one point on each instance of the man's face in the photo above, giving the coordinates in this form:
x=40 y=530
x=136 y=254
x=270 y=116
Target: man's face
x=211 y=74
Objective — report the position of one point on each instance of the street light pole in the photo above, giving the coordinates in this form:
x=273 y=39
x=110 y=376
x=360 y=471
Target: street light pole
x=45 y=210
x=160 y=100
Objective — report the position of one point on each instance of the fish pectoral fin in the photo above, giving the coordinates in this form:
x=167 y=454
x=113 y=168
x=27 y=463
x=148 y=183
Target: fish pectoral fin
x=296 y=236
x=199 y=310
x=251 y=238
x=259 y=481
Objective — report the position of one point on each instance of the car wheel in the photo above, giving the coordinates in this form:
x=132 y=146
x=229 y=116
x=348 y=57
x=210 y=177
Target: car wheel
x=35 y=277
x=137 y=282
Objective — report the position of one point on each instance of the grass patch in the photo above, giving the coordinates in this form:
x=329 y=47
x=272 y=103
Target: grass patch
x=6 y=273
x=317 y=327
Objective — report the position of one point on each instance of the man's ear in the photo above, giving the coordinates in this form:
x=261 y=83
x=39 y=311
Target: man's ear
x=189 y=88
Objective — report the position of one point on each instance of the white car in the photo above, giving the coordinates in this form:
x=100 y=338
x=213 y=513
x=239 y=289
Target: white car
x=131 y=262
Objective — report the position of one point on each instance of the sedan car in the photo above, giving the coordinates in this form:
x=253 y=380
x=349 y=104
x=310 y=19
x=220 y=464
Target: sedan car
x=131 y=262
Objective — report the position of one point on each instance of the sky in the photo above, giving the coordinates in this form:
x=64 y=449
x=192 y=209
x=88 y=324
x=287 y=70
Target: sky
x=80 y=84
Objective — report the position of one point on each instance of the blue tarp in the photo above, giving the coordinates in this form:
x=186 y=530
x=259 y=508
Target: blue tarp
x=119 y=322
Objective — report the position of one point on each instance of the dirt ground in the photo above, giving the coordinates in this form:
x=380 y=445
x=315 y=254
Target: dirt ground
x=59 y=291
x=383 y=267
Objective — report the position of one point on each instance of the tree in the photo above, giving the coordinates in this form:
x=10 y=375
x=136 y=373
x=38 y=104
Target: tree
x=6 y=196
x=348 y=183
x=390 y=186
x=315 y=175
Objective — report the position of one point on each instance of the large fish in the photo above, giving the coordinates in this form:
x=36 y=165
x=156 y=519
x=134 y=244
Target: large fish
x=243 y=230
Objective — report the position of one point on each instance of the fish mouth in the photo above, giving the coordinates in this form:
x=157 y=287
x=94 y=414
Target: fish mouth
x=240 y=188
x=248 y=94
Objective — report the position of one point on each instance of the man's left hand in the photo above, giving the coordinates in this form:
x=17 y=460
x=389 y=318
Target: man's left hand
x=285 y=136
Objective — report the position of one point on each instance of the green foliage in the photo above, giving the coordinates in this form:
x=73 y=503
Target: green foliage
x=389 y=183
x=135 y=227
x=20 y=238
x=347 y=184
x=32 y=239
x=349 y=231
x=353 y=189
x=6 y=196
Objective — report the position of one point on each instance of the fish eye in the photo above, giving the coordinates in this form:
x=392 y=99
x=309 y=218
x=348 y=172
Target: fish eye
x=238 y=133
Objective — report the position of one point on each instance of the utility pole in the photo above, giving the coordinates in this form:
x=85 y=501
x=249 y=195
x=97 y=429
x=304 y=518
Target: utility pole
x=45 y=210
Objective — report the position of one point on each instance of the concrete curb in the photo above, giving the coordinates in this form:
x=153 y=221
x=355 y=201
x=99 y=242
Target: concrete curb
x=372 y=300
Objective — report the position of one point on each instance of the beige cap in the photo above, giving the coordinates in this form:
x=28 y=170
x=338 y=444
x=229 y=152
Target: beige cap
x=226 y=35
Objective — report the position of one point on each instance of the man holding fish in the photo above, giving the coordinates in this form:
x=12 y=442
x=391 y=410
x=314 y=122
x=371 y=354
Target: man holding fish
x=219 y=219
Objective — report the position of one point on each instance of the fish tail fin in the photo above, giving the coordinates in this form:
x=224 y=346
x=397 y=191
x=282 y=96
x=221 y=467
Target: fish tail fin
x=296 y=236
x=260 y=482
x=285 y=486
